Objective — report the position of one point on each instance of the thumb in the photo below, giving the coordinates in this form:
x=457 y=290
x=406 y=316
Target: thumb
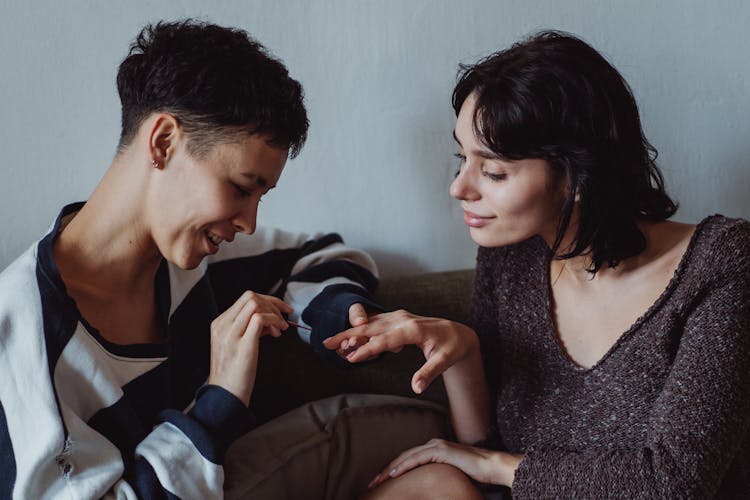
x=357 y=315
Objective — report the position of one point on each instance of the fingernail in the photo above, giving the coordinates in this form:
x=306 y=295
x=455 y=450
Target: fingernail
x=393 y=472
x=418 y=387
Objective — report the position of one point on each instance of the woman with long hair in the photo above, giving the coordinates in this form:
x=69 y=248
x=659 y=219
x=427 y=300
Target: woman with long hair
x=609 y=347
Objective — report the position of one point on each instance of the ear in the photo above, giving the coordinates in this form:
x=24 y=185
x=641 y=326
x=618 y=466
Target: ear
x=164 y=136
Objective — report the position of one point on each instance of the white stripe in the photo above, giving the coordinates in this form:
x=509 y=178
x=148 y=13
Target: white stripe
x=180 y=467
x=263 y=240
x=300 y=293
x=89 y=378
x=336 y=251
x=181 y=281
x=28 y=401
x=94 y=464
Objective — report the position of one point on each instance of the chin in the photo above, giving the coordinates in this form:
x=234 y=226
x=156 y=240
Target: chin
x=185 y=262
x=491 y=239
x=191 y=263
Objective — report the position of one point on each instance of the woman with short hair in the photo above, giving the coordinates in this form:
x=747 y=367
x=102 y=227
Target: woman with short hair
x=129 y=334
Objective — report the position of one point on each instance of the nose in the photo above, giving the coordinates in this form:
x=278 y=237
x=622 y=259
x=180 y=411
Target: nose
x=462 y=187
x=245 y=219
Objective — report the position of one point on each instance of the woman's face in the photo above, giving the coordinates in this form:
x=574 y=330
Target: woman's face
x=203 y=201
x=504 y=201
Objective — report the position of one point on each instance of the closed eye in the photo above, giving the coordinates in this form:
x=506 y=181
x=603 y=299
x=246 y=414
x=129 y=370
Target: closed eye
x=241 y=191
x=494 y=177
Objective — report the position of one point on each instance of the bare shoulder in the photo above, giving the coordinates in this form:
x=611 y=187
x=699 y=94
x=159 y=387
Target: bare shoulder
x=667 y=241
x=717 y=244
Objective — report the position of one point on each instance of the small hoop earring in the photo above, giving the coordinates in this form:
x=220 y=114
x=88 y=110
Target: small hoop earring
x=155 y=163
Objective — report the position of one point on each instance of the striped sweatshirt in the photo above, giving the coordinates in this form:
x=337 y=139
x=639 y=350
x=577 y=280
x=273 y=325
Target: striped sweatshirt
x=82 y=418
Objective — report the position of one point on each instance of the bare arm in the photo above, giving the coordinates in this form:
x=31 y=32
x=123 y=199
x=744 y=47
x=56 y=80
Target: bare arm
x=450 y=349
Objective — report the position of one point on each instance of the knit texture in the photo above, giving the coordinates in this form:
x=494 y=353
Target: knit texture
x=664 y=414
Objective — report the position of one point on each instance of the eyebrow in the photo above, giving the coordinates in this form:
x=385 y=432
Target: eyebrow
x=260 y=181
x=483 y=153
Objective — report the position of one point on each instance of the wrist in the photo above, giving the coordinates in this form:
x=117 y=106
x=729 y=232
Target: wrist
x=471 y=351
x=505 y=466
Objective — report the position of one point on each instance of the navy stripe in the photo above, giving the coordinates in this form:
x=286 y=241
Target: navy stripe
x=337 y=268
x=145 y=482
x=214 y=422
x=328 y=314
x=60 y=315
x=190 y=343
x=120 y=424
x=7 y=460
x=258 y=273
x=59 y=312
x=127 y=422
x=313 y=246
x=224 y=416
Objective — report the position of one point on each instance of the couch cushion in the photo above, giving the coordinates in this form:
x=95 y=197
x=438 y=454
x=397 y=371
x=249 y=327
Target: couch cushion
x=445 y=294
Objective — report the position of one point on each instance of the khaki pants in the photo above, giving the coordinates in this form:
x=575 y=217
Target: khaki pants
x=328 y=449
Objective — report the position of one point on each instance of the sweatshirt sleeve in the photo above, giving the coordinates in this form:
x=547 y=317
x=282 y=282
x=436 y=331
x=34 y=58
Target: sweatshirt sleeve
x=319 y=276
x=326 y=279
x=699 y=421
x=183 y=455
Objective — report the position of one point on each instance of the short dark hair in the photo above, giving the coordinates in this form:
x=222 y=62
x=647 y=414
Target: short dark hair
x=552 y=96
x=215 y=81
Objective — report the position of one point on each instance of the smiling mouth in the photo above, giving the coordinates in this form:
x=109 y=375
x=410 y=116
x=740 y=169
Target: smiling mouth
x=214 y=238
x=476 y=221
x=472 y=215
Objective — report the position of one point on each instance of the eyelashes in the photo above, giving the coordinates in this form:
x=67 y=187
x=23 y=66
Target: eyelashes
x=462 y=159
x=241 y=192
x=495 y=177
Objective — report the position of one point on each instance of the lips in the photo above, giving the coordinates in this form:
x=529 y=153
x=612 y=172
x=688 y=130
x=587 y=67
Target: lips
x=473 y=220
x=212 y=242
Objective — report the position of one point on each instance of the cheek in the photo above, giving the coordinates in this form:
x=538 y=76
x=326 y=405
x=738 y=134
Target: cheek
x=210 y=204
x=514 y=199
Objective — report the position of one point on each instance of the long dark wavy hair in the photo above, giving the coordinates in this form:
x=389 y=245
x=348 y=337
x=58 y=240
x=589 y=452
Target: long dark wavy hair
x=552 y=96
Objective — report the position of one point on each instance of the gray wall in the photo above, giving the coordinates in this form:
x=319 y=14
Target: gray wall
x=378 y=77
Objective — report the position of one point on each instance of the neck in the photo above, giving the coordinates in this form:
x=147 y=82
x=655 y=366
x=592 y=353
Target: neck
x=107 y=248
x=658 y=243
x=574 y=267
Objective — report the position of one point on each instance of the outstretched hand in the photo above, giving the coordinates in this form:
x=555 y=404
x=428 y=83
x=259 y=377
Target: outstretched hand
x=442 y=342
x=357 y=316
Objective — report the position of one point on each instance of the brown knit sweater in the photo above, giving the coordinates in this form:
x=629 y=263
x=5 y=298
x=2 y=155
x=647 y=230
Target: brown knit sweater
x=664 y=414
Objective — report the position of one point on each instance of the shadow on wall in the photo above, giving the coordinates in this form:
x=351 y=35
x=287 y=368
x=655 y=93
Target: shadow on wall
x=396 y=264
x=738 y=192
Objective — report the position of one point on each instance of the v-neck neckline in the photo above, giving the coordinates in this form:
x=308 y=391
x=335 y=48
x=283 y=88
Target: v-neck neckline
x=551 y=328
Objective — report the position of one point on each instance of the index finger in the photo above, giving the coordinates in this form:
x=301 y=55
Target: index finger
x=283 y=306
x=357 y=331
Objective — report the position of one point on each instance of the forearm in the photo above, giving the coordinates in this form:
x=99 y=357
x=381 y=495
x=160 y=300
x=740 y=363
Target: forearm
x=466 y=386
